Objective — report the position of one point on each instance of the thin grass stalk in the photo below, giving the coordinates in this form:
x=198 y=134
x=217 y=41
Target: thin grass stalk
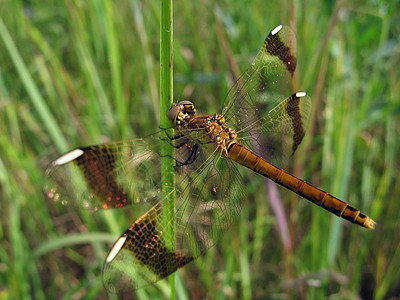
x=166 y=95
x=32 y=89
x=114 y=59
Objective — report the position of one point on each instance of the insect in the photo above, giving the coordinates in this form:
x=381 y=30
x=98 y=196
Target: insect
x=208 y=150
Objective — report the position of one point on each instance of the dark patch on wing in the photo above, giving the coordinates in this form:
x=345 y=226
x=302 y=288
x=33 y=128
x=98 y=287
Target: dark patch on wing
x=274 y=45
x=294 y=113
x=98 y=164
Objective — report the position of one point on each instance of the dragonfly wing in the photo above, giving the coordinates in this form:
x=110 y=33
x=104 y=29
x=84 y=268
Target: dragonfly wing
x=286 y=124
x=116 y=174
x=256 y=105
x=142 y=255
x=212 y=189
x=107 y=175
x=206 y=204
x=266 y=81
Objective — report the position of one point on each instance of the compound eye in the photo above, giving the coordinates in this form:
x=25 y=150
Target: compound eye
x=173 y=111
x=185 y=103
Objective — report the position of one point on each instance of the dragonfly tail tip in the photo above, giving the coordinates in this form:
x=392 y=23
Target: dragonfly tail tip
x=369 y=223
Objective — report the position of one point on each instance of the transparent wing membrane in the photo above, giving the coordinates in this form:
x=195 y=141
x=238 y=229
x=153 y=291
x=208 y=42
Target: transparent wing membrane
x=107 y=176
x=265 y=83
x=206 y=205
x=102 y=175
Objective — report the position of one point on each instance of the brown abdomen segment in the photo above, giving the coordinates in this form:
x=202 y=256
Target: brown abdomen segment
x=244 y=156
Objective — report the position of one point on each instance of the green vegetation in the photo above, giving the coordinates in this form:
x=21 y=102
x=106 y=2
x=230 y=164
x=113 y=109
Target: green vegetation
x=166 y=99
x=75 y=73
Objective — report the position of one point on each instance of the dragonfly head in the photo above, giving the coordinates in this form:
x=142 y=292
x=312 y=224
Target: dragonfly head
x=181 y=112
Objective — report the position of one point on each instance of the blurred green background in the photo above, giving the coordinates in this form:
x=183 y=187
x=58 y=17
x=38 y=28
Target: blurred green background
x=78 y=72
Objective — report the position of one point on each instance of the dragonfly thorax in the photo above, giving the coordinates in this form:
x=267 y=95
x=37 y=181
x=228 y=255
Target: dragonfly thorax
x=181 y=112
x=220 y=133
x=209 y=130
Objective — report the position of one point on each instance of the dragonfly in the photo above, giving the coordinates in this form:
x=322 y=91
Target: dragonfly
x=209 y=187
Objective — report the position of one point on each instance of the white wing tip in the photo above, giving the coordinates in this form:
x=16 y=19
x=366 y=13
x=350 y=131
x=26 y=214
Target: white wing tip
x=67 y=157
x=301 y=94
x=115 y=249
x=276 y=29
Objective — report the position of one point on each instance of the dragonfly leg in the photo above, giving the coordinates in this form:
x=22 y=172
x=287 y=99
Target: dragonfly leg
x=189 y=159
x=184 y=142
x=192 y=155
x=171 y=138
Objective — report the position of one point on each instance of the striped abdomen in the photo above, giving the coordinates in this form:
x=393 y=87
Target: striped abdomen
x=251 y=160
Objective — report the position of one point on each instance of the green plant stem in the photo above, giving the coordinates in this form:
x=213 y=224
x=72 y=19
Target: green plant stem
x=166 y=85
